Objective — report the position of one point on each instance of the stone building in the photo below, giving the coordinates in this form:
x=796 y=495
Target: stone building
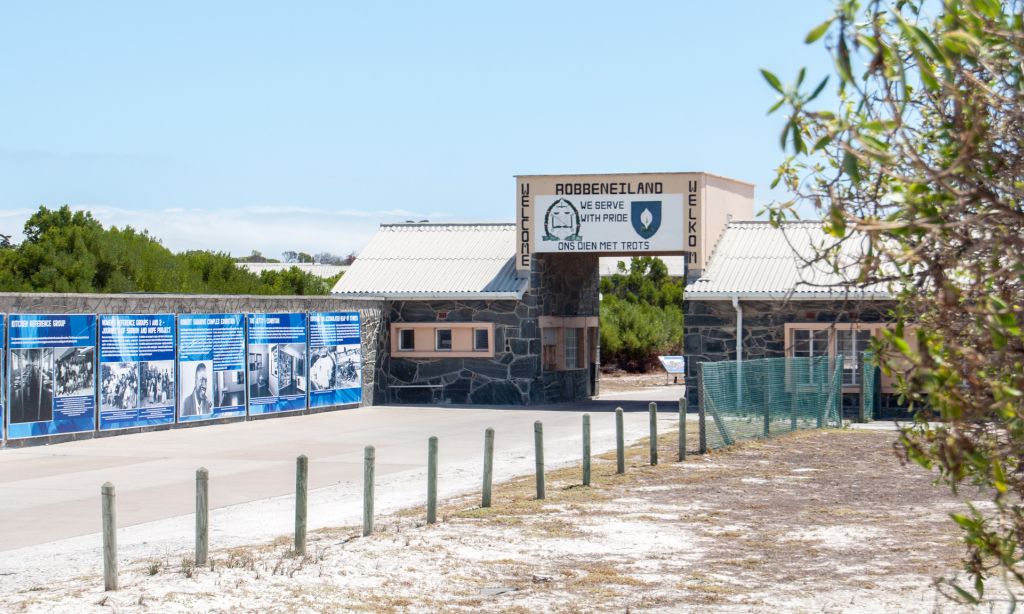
x=762 y=282
x=461 y=326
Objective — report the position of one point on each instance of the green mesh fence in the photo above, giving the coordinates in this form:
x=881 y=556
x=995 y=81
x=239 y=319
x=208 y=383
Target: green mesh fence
x=767 y=397
x=868 y=384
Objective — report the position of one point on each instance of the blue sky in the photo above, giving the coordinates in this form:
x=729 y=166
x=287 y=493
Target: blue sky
x=236 y=126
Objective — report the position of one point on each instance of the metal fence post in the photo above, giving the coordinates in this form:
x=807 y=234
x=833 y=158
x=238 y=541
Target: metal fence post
x=369 y=455
x=202 y=515
x=538 y=448
x=485 y=500
x=109 y=537
x=432 y=480
x=301 y=491
x=682 y=428
x=586 y=449
x=652 y=411
x=620 y=443
x=863 y=374
x=701 y=413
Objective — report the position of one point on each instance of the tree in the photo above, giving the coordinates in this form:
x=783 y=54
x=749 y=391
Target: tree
x=329 y=258
x=922 y=160
x=641 y=314
x=66 y=251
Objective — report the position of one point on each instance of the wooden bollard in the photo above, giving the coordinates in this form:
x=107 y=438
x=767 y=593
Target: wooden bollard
x=652 y=410
x=485 y=500
x=301 y=493
x=432 y=480
x=109 y=537
x=620 y=443
x=586 y=449
x=538 y=449
x=682 y=429
x=202 y=515
x=369 y=455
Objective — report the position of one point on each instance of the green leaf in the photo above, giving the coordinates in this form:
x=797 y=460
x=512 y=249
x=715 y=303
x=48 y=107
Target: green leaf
x=969 y=598
x=960 y=42
x=822 y=142
x=817 y=90
x=818 y=31
x=851 y=167
x=772 y=81
x=798 y=140
x=988 y=8
x=843 y=61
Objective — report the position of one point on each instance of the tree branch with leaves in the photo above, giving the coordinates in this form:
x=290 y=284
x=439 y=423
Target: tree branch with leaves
x=918 y=152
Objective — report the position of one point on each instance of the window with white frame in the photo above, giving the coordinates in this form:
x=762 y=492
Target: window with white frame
x=832 y=340
x=481 y=340
x=443 y=340
x=572 y=342
x=851 y=344
x=406 y=339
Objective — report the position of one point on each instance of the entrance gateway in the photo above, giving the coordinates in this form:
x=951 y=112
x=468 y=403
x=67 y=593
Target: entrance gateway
x=565 y=223
x=508 y=313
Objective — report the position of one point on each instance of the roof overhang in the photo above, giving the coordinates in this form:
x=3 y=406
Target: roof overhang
x=437 y=296
x=789 y=296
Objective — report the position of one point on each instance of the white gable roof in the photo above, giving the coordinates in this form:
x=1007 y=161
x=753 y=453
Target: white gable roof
x=427 y=261
x=754 y=259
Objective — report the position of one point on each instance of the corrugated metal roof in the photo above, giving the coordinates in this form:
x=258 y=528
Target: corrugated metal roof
x=318 y=269
x=436 y=261
x=755 y=259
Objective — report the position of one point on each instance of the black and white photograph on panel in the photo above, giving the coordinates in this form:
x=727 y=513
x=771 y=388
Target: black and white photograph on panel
x=259 y=370
x=229 y=388
x=119 y=385
x=73 y=371
x=31 y=385
x=334 y=367
x=156 y=383
x=287 y=369
x=196 y=389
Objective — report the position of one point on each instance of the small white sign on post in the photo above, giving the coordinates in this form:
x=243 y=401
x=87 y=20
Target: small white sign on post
x=673 y=365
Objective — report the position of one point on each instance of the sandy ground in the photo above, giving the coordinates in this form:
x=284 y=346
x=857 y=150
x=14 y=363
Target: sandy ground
x=824 y=521
x=620 y=381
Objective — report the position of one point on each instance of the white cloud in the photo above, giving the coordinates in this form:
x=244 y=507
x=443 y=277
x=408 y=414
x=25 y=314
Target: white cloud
x=271 y=229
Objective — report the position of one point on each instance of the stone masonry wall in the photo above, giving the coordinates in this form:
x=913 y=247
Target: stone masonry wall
x=507 y=378
x=566 y=285
x=370 y=312
x=561 y=285
x=710 y=330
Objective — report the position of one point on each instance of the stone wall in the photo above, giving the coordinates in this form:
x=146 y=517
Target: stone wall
x=710 y=331
x=507 y=378
x=370 y=312
x=561 y=285
x=567 y=285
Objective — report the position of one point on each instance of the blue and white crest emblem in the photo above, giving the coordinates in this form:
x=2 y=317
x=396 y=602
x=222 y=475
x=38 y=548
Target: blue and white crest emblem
x=645 y=215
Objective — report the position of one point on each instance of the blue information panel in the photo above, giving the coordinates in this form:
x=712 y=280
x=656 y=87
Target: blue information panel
x=335 y=360
x=52 y=382
x=211 y=366
x=277 y=362
x=136 y=370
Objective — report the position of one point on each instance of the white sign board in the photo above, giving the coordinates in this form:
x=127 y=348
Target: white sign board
x=673 y=364
x=609 y=223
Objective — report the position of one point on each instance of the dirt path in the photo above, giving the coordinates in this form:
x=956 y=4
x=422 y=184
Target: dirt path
x=814 y=521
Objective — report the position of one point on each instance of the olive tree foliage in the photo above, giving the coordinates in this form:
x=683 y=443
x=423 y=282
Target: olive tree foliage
x=919 y=147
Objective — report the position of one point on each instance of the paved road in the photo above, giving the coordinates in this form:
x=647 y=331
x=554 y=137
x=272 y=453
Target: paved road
x=51 y=492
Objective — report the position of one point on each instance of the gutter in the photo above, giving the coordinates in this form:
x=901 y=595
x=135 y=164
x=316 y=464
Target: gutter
x=739 y=348
x=434 y=296
x=692 y=295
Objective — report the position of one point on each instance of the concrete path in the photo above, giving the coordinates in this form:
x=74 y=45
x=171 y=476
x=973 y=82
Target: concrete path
x=52 y=492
